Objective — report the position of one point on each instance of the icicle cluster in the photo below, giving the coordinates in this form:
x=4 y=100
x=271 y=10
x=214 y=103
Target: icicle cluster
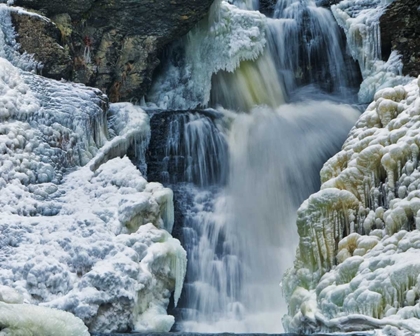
x=360 y=21
x=358 y=265
x=228 y=36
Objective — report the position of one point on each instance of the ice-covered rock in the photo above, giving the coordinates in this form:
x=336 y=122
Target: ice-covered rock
x=220 y=42
x=360 y=21
x=24 y=319
x=81 y=229
x=357 y=264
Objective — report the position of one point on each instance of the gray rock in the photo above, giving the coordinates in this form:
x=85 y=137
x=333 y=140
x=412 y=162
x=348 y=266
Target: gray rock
x=113 y=45
x=400 y=30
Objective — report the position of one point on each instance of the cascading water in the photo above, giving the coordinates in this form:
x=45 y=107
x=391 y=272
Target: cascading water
x=236 y=212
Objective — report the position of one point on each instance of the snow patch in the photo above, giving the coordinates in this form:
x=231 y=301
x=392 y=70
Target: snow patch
x=23 y=319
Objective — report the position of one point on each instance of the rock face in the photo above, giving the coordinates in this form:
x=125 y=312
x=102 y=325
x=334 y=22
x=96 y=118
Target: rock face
x=112 y=45
x=400 y=31
x=42 y=38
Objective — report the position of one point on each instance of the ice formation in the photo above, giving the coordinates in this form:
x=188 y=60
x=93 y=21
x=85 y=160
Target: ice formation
x=357 y=264
x=81 y=229
x=360 y=21
x=17 y=318
x=228 y=36
x=8 y=46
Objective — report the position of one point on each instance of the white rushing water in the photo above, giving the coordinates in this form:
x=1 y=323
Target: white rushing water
x=244 y=240
x=240 y=234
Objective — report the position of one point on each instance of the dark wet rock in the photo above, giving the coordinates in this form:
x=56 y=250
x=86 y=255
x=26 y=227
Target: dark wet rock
x=400 y=30
x=267 y=7
x=326 y=3
x=112 y=45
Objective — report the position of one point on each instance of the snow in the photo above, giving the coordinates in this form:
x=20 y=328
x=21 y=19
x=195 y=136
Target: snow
x=228 y=36
x=81 y=229
x=357 y=264
x=360 y=21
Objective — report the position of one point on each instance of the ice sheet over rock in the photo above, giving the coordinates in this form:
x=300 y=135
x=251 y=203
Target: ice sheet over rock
x=81 y=229
x=360 y=21
x=227 y=37
x=23 y=319
x=357 y=264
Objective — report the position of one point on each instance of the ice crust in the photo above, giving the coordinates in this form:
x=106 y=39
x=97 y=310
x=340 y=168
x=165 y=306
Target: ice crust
x=360 y=21
x=9 y=48
x=24 y=319
x=220 y=42
x=357 y=264
x=81 y=229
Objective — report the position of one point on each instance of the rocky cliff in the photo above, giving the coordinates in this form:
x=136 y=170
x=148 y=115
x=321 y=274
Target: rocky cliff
x=111 y=45
x=400 y=31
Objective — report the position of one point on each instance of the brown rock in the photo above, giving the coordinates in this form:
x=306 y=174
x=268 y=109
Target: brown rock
x=41 y=38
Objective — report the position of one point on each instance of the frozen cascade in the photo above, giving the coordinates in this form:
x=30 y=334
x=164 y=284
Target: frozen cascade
x=94 y=240
x=360 y=21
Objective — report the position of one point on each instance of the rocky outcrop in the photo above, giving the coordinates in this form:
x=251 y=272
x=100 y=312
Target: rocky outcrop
x=112 y=45
x=42 y=38
x=400 y=31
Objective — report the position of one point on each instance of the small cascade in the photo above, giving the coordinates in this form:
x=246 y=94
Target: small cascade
x=305 y=46
x=189 y=153
x=187 y=148
x=308 y=47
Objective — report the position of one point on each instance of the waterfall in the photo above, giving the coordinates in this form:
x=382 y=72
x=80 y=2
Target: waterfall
x=241 y=239
x=239 y=174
